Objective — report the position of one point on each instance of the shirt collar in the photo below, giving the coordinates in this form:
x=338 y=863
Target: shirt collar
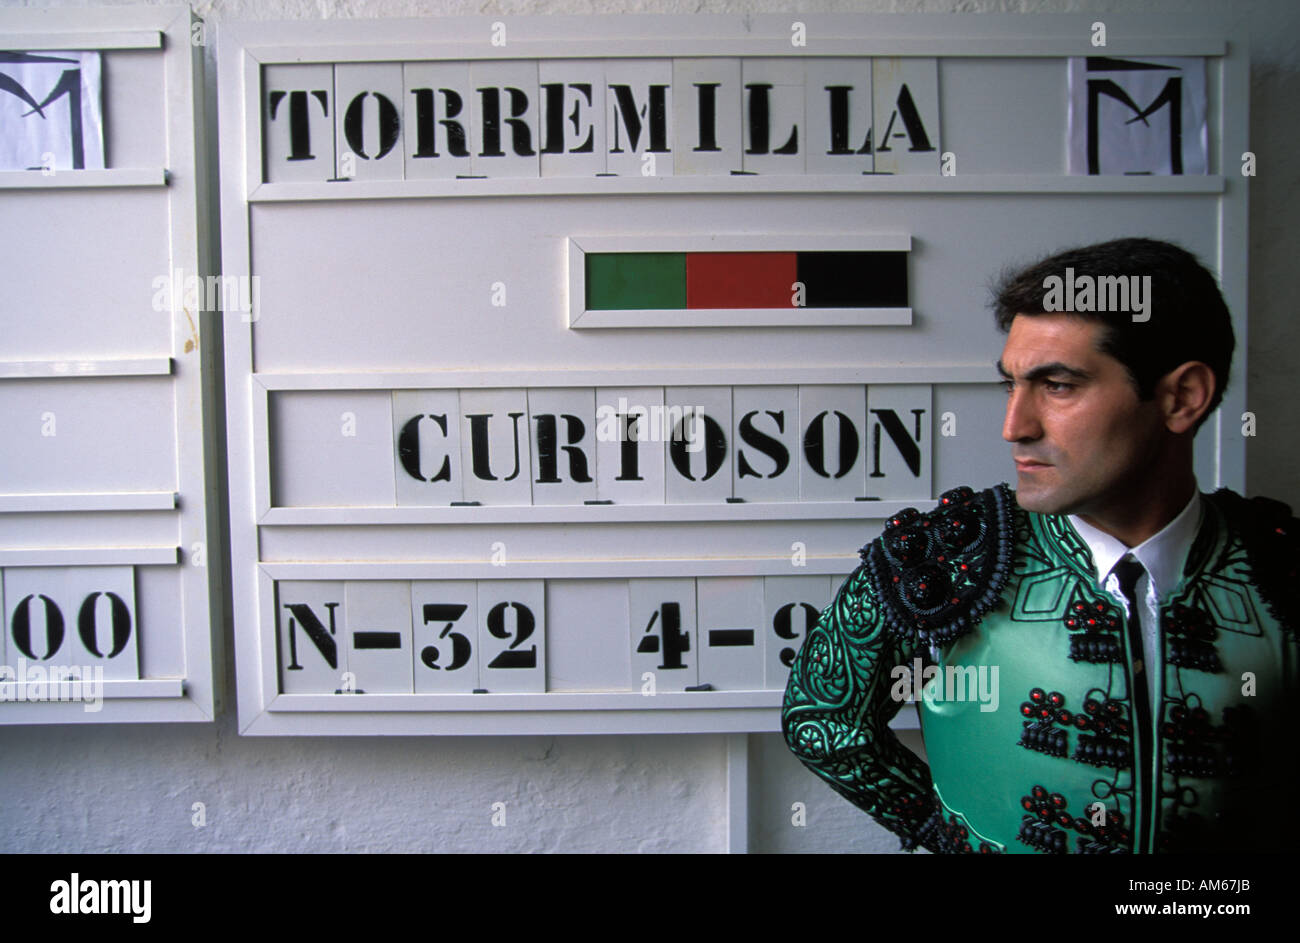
x=1163 y=555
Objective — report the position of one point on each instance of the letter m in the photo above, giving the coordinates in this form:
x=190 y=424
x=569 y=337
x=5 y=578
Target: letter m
x=628 y=115
x=1112 y=293
x=115 y=896
x=962 y=679
x=69 y=83
x=1170 y=96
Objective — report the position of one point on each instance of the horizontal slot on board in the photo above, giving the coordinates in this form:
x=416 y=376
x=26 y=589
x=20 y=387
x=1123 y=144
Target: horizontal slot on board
x=106 y=501
x=90 y=556
x=74 y=369
x=586 y=513
x=1029 y=184
x=73 y=690
x=77 y=179
x=551 y=569
x=551 y=700
x=83 y=39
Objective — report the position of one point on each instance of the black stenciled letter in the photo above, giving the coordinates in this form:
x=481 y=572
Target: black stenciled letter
x=715 y=448
x=548 y=449
x=760 y=116
x=840 y=122
x=520 y=136
x=915 y=130
x=908 y=448
x=299 y=120
x=769 y=446
x=408 y=449
x=479 y=449
x=628 y=456
x=814 y=444
x=553 y=132
x=323 y=639
x=426 y=138
x=625 y=109
x=390 y=125
x=708 y=95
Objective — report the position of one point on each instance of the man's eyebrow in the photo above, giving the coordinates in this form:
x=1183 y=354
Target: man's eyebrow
x=1055 y=368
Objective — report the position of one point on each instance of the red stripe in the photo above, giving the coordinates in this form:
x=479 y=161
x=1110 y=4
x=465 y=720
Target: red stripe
x=740 y=279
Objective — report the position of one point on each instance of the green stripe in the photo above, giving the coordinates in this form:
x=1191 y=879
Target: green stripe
x=636 y=280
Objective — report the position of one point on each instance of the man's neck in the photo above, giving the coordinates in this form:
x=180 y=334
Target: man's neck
x=1147 y=513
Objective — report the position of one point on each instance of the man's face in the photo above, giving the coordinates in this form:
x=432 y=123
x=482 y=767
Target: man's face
x=1082 y=441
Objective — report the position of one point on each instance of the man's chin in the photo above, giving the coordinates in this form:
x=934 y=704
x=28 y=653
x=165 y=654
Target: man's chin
x=1041 y=500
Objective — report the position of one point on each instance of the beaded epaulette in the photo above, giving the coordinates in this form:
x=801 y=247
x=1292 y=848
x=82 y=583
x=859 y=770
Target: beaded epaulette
x=938 y=573
x=1272 y=539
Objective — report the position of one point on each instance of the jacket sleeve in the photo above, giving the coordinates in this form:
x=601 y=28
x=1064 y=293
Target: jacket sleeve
x=837 y=710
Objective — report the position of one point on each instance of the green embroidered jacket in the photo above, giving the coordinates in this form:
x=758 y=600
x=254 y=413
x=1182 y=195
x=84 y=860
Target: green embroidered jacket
x=1027 y=665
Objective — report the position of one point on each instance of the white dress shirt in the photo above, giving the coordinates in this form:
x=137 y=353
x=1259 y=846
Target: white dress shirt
x=1163 y=556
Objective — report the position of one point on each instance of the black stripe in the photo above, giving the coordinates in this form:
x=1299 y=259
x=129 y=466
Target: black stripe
x=376 y=640
x=853 y=279
x=720 y=638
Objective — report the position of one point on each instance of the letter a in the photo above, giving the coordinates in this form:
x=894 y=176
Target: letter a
x=1054 y=299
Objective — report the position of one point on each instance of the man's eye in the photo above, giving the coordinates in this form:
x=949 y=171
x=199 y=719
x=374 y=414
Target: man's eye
x=1008 y=386
x=1053 y=386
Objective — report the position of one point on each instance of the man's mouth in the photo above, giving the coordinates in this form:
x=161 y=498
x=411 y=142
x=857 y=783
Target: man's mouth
x=1029 y=465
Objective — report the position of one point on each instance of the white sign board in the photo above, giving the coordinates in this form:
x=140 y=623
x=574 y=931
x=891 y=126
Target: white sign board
x=586 y=353
x=109 y=559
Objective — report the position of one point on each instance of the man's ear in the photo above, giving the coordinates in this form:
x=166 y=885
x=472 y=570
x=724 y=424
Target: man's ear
x=1184 y=394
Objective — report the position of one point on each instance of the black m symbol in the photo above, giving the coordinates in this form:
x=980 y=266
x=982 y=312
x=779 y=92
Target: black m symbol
x=1171 y=95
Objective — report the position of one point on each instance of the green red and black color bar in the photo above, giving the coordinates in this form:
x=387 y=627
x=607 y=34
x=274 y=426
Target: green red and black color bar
x=639 y=281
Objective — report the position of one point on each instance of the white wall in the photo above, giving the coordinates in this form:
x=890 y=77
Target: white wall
x=132 y=788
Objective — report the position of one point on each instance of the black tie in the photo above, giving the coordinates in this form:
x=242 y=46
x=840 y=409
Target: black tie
x=1128 y=571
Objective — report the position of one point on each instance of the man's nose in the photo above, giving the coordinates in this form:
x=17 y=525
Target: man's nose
x=1021 y=424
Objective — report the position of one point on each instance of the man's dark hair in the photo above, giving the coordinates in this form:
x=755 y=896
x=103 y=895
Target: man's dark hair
x=1188 y=319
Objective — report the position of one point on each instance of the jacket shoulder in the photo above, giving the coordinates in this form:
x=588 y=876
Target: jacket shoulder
x=1270 y=534
x=937 y=573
